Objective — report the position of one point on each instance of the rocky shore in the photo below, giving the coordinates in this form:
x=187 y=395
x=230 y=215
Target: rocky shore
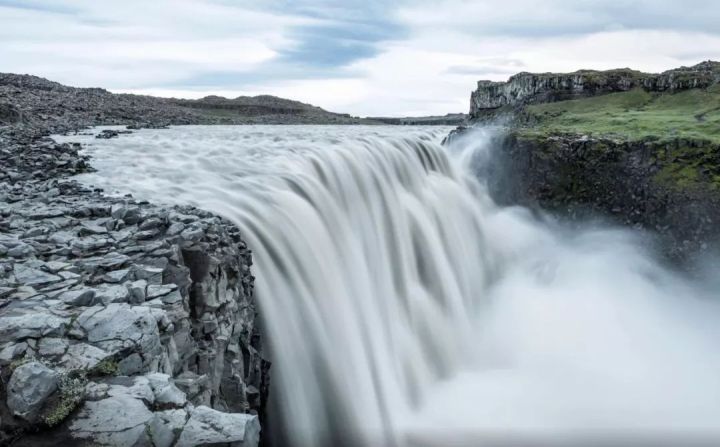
x=122 y=323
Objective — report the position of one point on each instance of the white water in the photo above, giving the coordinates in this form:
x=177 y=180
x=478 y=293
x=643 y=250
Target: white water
x=405 y=308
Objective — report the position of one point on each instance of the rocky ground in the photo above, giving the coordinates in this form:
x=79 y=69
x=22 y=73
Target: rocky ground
x=122 y=323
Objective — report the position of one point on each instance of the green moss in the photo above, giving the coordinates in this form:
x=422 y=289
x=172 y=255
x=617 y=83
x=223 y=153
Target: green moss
x=690 y=168
x=106 y=367
x=633 y=115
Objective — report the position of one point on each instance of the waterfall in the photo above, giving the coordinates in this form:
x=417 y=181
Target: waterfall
x=404 y=307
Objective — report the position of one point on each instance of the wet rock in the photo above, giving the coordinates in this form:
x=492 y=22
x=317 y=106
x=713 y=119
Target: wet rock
x=29 y=387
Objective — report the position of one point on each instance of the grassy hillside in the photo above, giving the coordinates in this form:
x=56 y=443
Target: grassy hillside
x=633 y=115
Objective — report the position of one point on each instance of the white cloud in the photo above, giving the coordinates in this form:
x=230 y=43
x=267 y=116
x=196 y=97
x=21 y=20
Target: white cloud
x=426 y=64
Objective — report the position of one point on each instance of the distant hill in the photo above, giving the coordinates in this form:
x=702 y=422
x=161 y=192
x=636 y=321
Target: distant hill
x=42 y=103
x=264 y=108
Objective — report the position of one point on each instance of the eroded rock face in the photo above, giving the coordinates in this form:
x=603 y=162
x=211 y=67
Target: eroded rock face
x=640 y=184
x=529 y=88
x=93 y=299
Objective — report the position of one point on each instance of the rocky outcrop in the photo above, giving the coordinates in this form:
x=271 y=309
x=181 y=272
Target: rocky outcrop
x=121 y=322
x=668 y=188
x=531 y=88
x=99 y=293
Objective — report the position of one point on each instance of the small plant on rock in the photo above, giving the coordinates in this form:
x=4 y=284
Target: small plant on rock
x=71 y=392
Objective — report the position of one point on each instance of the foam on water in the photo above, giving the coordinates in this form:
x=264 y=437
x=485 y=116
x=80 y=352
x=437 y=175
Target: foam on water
x=403 y=307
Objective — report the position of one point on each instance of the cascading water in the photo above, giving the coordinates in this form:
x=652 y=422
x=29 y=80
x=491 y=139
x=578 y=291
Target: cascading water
x=404 y=308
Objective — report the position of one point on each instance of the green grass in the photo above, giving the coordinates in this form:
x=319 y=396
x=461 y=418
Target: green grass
x=633 y=115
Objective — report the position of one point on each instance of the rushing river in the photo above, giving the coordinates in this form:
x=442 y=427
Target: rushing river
x=403 y=307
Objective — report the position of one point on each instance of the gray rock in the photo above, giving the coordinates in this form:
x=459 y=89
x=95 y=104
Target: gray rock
x=93 y=227
x=81 y=297
x=110 y=261
x=137 y=387
x=192 y=234
x=120 y=326
x=167 y=395
x=117 y=421
x=52 y=346
x=6 y=291
x=173 y=297
x=112 y=293
x=153 y=275
x=33 y=277
x=175 y=229
x=130 y=365
x=207 y=426
x=129 y=214
x=20 y=251
x=117 y=276
x=29 y=387
x=56 y=266
x=12 y=351
x=137 y=291
x=165 y=426
x=31 y=325
x=82 y=356
x=155 y=291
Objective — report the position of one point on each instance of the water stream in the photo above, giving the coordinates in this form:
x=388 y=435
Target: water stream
x=403 y=307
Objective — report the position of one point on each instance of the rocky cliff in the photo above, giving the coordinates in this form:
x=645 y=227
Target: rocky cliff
x=532 y=88
x=641 y=150
x=122 y=323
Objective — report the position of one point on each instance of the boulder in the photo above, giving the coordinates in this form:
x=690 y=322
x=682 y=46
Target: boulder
x=29 y=387
x=207 y=426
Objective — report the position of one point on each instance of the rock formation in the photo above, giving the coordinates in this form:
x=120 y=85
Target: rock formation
x=659 y=179
x=122 y=323
x=531 y=88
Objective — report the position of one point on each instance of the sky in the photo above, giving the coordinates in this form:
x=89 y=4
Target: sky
x=363 y=57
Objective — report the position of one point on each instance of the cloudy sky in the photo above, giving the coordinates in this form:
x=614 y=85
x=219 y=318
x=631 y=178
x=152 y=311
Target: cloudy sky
x=365 y=57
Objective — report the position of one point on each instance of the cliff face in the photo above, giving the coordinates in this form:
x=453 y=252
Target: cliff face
x=640 y=149
x=530 y=88
x=666 y=188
